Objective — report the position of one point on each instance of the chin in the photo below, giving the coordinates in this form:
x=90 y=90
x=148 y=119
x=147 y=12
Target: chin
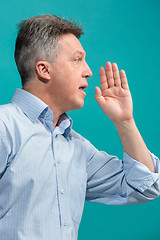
x=78 y=105
x=74 y=104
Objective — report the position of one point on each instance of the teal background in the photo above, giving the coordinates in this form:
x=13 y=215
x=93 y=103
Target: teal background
x=125 y=32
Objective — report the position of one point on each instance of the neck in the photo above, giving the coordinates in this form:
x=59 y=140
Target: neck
x=43 y=94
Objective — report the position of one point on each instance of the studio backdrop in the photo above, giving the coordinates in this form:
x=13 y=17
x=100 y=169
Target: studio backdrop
x=125 y=32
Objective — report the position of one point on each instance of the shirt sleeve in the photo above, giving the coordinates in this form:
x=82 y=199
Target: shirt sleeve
x=115 y=182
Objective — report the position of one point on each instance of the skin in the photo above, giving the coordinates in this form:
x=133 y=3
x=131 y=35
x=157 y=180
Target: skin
x=116 y=102
x=59 y=85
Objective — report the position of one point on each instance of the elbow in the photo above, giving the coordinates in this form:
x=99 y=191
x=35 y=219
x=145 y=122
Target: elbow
x=153 y=191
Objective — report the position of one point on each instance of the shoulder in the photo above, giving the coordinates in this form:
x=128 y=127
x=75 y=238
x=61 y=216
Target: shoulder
x=9 y=115
x=74 y=135
x=7 y=111
x=5 y=107
x=5 y=116
x=82 y=143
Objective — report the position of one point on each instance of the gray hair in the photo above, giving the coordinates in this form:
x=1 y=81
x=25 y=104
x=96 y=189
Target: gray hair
x=37 y=40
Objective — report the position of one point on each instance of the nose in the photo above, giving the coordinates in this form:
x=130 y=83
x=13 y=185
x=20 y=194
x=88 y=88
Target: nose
x=87 y=71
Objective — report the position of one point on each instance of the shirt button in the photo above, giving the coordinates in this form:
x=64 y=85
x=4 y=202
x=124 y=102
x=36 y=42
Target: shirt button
x=65 y=224
x=47 y=114
x=59 y=161
x=62 y=191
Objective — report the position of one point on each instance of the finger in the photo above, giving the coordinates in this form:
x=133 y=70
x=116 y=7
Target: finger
x=124 y=81
x=103 y=79
x=116 y=76
x=109 y=74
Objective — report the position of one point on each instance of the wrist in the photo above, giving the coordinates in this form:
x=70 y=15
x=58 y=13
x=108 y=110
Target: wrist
x=125 y=124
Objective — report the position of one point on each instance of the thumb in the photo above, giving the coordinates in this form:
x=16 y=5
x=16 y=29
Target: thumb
x=98 y=96
x=98 y=93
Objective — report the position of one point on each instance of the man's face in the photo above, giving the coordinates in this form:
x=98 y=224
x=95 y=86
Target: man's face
x=69 y=74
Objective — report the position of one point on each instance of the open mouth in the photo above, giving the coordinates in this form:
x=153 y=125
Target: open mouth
x=81 y=88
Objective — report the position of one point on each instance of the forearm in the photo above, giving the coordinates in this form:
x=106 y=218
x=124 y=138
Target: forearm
x=133 y=143
x=116 y=102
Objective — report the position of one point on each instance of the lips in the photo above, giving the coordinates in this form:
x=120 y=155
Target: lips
x=82 y=87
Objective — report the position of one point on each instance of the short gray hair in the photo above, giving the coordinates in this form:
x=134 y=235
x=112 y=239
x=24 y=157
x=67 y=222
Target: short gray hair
x=37 y=40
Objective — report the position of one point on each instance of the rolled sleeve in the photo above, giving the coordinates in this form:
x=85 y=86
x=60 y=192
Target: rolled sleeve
x=115 y=182
x=138 y=175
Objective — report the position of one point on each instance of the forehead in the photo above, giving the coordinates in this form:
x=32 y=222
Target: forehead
x=69 y=44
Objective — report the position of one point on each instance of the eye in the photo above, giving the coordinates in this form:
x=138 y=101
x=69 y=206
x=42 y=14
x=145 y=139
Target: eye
x=78 y=59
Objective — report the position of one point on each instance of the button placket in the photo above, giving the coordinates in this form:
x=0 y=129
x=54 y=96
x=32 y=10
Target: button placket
x=65 y=220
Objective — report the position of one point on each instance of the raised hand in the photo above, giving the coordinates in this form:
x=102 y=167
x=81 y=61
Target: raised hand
x=116 y=102
x=114 y=97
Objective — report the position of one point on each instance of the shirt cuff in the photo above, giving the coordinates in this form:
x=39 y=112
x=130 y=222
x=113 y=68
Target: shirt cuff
x=138 y=175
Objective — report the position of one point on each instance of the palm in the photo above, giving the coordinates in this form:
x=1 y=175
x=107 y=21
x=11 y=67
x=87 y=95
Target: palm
x=115 y=98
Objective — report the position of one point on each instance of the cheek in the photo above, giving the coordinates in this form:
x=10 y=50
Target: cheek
x=67 y=78
x=66 y=86
x=70 y=82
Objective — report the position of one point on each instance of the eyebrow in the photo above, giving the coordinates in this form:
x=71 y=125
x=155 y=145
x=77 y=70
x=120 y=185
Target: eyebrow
x=80 y=52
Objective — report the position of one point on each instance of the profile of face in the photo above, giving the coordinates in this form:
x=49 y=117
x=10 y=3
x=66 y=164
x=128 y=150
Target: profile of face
x=68 y=74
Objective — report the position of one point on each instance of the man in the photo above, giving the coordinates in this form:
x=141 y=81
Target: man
x=47 y=170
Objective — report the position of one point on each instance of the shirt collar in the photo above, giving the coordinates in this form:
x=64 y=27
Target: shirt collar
x=65 y=123
x=33 y=108
x=31 y=105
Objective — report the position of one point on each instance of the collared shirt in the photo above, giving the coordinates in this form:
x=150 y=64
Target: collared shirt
x=46 y=175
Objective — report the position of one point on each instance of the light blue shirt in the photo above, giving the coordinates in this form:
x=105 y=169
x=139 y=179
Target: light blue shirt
x=46 y=175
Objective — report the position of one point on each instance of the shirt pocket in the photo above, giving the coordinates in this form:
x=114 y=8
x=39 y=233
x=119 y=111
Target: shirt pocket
x=77 y=193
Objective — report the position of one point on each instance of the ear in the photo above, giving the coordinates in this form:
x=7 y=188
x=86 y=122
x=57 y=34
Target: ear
x=43 y=70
